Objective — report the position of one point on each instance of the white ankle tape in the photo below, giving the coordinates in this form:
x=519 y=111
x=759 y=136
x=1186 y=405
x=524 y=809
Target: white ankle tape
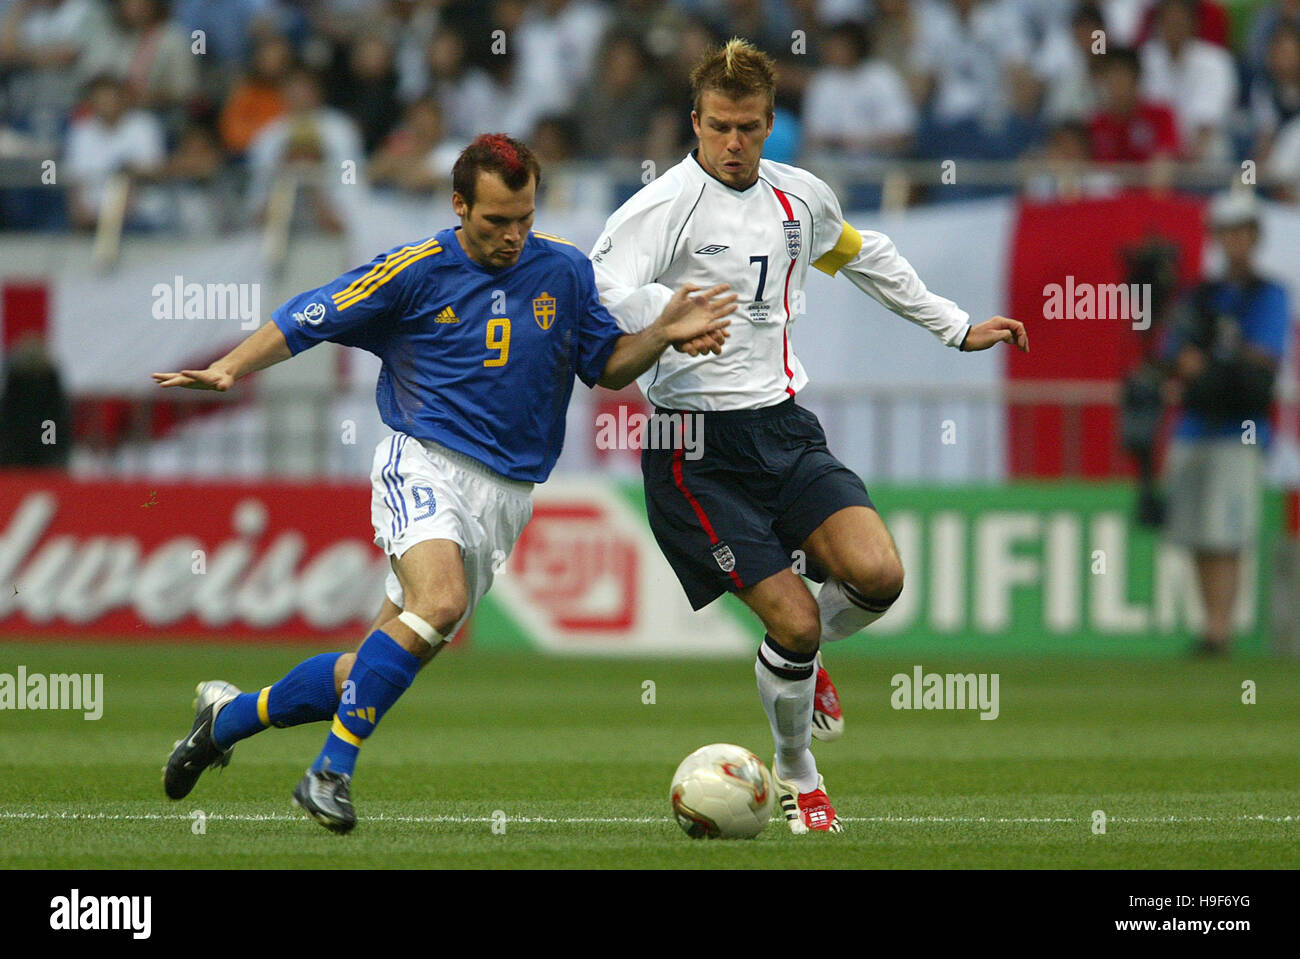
x=421 y=627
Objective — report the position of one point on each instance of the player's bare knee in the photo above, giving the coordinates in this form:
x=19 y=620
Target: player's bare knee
x=442 y=612
x=799 y=630
x=878 y=578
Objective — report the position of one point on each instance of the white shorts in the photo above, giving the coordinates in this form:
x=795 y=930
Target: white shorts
x=1213 y=490
x=420 y=490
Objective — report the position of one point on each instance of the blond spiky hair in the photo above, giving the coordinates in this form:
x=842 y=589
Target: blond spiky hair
x=736 y=69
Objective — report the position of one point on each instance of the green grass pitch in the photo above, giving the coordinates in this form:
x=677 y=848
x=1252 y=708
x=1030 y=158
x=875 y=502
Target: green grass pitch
x=1187 y=775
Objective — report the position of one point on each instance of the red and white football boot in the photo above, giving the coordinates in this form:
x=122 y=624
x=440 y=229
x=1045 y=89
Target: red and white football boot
x=805 y=812
x=828 y=717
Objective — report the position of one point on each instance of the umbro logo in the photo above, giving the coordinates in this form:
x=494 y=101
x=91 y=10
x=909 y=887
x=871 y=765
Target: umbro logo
x=448 y=315
x=711 y=249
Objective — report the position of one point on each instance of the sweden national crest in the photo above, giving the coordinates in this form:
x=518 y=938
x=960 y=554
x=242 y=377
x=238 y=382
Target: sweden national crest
x=725 y=557
x=793 y=238
x=544 y=310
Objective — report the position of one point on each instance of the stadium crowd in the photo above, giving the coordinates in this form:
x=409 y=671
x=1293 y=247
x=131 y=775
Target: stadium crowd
x=213 y=99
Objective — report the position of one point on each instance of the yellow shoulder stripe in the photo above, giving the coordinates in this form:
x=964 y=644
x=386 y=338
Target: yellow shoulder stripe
x=378 y=268
x=382 y=272
x=553 y=238
x=845 y=249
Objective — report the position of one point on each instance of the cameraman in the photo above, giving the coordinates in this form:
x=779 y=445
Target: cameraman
x=1225 y=355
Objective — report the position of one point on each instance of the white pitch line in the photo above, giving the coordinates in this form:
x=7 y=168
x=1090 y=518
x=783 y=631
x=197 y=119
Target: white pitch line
x=629 y=820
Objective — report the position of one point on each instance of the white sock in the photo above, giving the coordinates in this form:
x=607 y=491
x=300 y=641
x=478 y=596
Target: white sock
x=845 y=611
x=786 y=683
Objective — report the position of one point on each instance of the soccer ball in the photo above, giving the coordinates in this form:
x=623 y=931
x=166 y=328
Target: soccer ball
x=722 y=792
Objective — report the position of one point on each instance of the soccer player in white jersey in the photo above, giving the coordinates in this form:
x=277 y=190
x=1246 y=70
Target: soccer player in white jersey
x=766 y=484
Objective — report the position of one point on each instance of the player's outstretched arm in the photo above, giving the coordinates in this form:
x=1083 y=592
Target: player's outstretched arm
x=1000 y=329
x=264 y=348
x=689 y=315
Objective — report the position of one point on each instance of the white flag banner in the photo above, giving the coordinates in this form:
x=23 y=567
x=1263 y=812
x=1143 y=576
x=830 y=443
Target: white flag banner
x=111 y=330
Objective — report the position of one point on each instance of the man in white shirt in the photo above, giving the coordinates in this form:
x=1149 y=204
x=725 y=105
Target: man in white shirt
x=766 y=500
x=979 y=48
x=313 y=138
x=1197 y=80
x=110 y=139
x=856 y=104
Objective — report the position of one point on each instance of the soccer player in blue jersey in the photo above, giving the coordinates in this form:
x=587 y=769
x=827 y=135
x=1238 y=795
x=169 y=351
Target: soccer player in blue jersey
x=481 y=330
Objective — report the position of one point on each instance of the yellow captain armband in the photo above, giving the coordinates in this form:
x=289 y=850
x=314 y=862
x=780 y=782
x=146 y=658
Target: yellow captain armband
x=846 y=248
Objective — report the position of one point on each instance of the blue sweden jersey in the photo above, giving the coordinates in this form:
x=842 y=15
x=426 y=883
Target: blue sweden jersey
x=479 y=360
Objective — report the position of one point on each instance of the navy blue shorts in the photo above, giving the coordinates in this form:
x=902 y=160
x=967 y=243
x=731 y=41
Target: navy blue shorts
x=735 y=515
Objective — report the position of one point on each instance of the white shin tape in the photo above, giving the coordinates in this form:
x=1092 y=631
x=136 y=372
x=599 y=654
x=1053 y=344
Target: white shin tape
x=421 y=627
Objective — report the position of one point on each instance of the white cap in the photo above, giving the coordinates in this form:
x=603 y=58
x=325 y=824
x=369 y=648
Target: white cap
x=1236 y=208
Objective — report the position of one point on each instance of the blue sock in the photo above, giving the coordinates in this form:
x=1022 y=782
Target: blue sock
x=305 y=695
x=382 y=672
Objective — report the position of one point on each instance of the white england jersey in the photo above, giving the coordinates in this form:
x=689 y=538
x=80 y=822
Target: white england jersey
x=689 y=227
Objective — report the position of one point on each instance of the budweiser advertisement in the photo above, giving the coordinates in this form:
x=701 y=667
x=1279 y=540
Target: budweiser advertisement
x=284 y=561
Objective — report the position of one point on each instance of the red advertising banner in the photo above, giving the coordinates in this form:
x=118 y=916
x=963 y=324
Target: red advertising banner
x=238 y=561
x=1076 y=247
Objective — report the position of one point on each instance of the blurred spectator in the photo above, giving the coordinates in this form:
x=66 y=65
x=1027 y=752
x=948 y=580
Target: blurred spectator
x=558 y=42
x=108 y=138
x=41 y=42
x=230 y=27
x=771 y=25
x=1068 y=65
x=1128 y=128
x=1209 y=22
x=905 y=34
x=855 y=104
x=466 y=92
x=191 y=174
x=979 y=52
x=619 y=100
x=1063 y=170
x=417 y=156
x=320 y=145
x=554 y=142
x=1225 y=357
x=257 y=98
x=1275 y=96
x=33 y=401
x=1124 y=20
x=339 y=21
x=411 y=25
x=365 y=88
x=516 y=102
x=1268 y=18
x=1196 y=78
x=657 y=24
x=765 y=23
x=568 y=186
x=672 y=135
x=146 y=50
